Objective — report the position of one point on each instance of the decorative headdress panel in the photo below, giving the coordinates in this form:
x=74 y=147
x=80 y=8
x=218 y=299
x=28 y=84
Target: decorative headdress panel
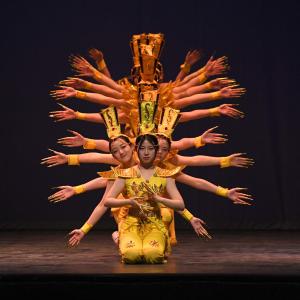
x=111 y=122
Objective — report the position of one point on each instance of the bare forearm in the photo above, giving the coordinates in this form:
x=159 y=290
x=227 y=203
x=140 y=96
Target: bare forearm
x=195 y=99
x=175 y=204
x=198 y=160
x=99 y=99
x=194 y=115
x=115 y=202
x=97 y=183
x=183 y=144
x=93 y=157
x=104 y=90
x=98 y=76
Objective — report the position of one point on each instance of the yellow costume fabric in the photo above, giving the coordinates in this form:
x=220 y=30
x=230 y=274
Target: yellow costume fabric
x=143 y=236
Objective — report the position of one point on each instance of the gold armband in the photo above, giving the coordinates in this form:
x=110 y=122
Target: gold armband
x=86 y=228
x=208 y=86
x=202 y=77
x=185 y=68
x=97 y=75
x=79 y=189
x=222 y=191
x=101 y=65
x=79 y=115
x=73 y=160
x=80 y=95
x=87 y=85
x=214 y=112
x=225 y=162
x=198 y=142
x=215 y=95
x=187 y=215
x=89 y=144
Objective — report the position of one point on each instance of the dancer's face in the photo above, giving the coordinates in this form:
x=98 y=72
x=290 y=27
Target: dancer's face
x=146 y=153
x=122 y=151
x=163 y=149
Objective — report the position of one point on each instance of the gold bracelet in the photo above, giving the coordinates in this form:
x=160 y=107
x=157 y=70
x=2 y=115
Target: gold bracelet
x=214 y=112
x=215 y=95
x=225 y=162
x=101 y=65
x=86 y=228
x=202 y=77
x=198 y=141
x=89 y=144
x=79 y=115
x=87 y=85
x=79 y=189
x=187 y=215
x=73 y=160
x=186 y=68
x=97 y=75
x=80 y=95
x=221 y=191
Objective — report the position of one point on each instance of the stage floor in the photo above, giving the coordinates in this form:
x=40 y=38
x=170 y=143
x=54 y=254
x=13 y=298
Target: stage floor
x=232 y=258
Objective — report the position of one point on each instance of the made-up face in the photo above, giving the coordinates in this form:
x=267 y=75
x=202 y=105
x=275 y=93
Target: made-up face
x=121 y=150
x=146 y=153
x=163 y=149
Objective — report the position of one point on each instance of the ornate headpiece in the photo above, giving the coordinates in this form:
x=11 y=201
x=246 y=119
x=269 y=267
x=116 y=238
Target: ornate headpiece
x=147 y=111
x=111 y=122
x=146 y=50
x=169 y=120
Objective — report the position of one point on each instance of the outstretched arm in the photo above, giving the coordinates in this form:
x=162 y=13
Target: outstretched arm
x=97 y=55
x=191 y=58
x=235 y=194
x=233 y=160
x=66 y=191
x=208 y=137
x=77 y=235
x=221 y=110
x=84 y=68
x=80 y=84
x=68 y=92
x=79 y=140
x=226 y=92
x=76 y=159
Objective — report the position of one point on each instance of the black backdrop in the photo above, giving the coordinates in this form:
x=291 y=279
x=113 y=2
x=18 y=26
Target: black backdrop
x=261 y=41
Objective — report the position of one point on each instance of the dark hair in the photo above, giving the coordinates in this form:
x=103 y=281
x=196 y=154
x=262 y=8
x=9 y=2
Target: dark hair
x=123 y=137
x=166 y=139
x=152 y=139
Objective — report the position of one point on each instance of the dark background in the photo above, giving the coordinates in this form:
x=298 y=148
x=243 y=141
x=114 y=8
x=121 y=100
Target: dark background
x=262 y=43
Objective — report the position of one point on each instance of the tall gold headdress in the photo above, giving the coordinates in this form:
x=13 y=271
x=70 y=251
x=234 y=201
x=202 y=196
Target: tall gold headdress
x=169 y=119
x=146 y=50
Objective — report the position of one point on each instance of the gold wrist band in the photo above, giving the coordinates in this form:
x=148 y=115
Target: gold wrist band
x=214 y=112
x=202 y=77
x=225 y=162
x=87 y=85
x=79 y=189
x=198 y=141
x=187 y=215
x=80 y=95
x=222 y=191
x=79 y=115
x=86 y=228
x=73 y=160
x=215 y=95
x=101 y=65
x=185 y=68
x=89 y=144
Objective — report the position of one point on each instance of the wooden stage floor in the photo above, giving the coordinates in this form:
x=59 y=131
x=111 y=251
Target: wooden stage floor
x=263 y=262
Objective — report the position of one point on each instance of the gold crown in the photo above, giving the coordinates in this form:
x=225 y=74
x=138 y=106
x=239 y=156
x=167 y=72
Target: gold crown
x=169 y=120
x=147 y=111
x=111 y=122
